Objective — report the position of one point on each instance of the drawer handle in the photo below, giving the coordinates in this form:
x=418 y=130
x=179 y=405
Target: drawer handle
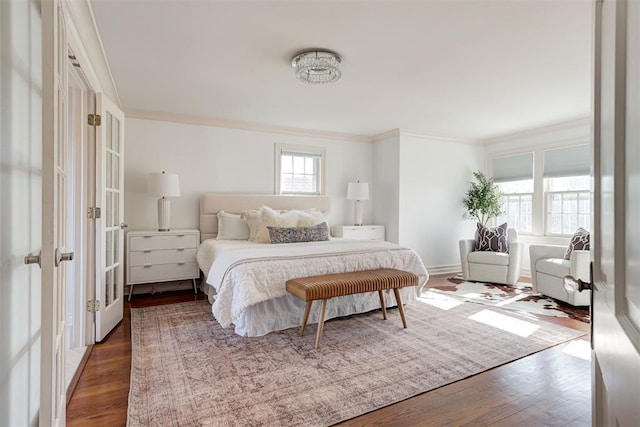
x=180 y=235
x=181 y=263
x=147 y=237
x=146 y=252
x=147 y=266
x=180 y=249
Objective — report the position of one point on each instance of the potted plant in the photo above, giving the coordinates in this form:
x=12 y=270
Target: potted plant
x=483 y=200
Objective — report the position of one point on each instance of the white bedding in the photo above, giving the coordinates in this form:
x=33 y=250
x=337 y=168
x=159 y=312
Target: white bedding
x=249 y=278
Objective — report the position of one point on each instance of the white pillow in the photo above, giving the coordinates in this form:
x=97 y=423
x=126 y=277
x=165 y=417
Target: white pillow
x=273 y=218
x=253 y=221
x=232 y=227
x=310 y=218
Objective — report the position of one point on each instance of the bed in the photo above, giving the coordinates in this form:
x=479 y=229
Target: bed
x=245 y=281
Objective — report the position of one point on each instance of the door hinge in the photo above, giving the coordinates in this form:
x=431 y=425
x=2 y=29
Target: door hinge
x=93 y=306
x=95 y=120
x=94 y=212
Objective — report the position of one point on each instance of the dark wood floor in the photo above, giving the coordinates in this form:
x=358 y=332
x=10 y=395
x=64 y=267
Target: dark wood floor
x=549 y=388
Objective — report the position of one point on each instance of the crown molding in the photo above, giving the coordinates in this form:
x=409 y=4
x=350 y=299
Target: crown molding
x=415 y=134
x=385 y=135
x=249 y=126
x=86 y=31
x=537 y=131
x=422 y=135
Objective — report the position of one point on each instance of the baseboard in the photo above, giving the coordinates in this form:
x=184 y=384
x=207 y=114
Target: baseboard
x=444 y=269
x=457 y=268
x=76 y=376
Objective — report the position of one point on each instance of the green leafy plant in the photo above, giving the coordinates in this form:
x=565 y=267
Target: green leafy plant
x=483 y=200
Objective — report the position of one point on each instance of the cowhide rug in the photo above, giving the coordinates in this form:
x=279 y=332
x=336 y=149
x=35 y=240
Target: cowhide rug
x=517 y=297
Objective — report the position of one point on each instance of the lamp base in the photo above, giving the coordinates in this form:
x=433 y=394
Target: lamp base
x=358 y=212
x=164 y=212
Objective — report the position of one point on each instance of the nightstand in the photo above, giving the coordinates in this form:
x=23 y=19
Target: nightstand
x=162 y=256
x=359 y=232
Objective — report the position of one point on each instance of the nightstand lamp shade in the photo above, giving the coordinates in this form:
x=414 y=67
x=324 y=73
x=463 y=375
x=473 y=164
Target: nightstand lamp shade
x=358 y=191
x=163 y=185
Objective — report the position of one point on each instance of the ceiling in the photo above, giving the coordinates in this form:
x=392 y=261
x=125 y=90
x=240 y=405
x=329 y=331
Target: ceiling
x=459 y=69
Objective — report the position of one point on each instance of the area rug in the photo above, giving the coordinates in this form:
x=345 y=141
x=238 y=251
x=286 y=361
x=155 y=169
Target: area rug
x=519 y=297
x=188 y=371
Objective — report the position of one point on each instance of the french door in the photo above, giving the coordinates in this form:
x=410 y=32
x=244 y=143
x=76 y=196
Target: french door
x=110 y=226
x=54 y=213
x=20 y=211
x=616 y=249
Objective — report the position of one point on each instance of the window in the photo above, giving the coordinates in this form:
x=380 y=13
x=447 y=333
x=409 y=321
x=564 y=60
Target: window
x=514 y=177
x=567 y=185
x=299 y=170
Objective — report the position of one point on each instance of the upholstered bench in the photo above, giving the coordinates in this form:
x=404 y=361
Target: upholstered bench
x=329 y=286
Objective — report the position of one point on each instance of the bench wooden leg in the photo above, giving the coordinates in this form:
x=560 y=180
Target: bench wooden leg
x=396 y=291
x=307 y=310
x=384 y=308
x=323 y=313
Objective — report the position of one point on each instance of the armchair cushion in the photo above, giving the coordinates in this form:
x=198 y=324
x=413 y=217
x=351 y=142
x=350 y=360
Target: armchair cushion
x=492 y=239
x=484 y=257
x=579 y=242
x=554 y=266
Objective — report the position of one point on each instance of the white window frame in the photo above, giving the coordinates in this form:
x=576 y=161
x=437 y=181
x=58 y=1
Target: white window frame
x=519 y=196
x=539 y=204
x=547 y=211
x=302 y=150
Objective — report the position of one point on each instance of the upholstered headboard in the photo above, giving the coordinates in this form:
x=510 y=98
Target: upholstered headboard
x=211 y=204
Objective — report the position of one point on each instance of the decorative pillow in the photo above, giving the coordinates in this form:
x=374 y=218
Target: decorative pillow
x=492 y=239
x=273 y=218
x=232 y=227
x=311 y=217
x=316 y=233
x=579 y=242
x=253 y=222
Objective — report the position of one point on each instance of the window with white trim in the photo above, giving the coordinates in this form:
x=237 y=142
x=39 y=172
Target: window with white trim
x=554 y=201
x=567 y=183
x=514 y=177
x=299 y=170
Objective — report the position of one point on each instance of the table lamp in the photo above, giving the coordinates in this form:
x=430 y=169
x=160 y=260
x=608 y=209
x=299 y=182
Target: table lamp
x=163 y=185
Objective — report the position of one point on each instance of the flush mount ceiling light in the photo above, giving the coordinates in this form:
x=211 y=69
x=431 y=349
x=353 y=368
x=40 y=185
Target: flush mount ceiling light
x=317 y=66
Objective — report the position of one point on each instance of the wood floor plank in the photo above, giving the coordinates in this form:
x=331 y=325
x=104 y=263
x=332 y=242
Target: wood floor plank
x=550 y=388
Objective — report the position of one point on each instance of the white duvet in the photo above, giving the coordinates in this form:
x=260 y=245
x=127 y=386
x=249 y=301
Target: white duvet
x=245 y=274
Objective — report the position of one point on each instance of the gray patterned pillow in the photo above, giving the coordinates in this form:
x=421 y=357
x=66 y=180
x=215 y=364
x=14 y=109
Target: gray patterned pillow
x=314 y=233
x=579 y=242
x=492 y=239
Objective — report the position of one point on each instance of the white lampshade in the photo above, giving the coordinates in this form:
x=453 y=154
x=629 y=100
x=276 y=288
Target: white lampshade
x=163 y=184
x=358 y=191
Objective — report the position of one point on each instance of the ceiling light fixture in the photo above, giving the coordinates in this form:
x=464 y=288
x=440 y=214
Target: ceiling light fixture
x=317 y=66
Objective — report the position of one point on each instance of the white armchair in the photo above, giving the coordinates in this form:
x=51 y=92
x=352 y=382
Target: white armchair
x=548 y=268
x=492 y=267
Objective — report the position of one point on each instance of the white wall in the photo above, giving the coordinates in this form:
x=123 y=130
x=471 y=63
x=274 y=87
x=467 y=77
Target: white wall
x=385 y=187
x=214 y=159
x=419 y=185
x=434 y=176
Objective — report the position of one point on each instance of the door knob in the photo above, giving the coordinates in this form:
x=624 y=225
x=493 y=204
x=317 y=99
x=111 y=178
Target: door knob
x=123 y=225
x=33 y=259
x=571 y=284
x=60 y=256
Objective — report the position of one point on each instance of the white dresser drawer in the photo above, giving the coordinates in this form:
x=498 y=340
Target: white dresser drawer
x=162 y=272
x=155 y=241
x=360 y=232
x=162 y=256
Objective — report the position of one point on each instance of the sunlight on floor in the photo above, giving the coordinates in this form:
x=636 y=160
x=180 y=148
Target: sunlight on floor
x=579 y=348
x=506 y=323
x=440 y=301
